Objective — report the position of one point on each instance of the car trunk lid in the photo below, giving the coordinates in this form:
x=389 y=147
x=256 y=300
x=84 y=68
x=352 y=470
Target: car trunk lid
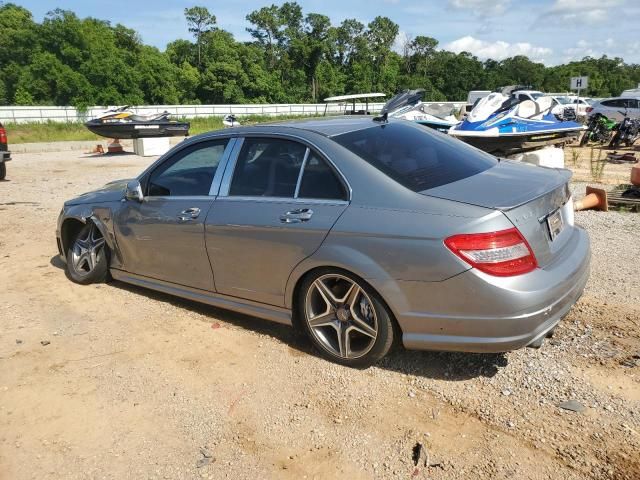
x=531 y=197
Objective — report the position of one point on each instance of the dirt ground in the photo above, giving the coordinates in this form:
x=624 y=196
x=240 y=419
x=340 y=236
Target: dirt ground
x=112 y=382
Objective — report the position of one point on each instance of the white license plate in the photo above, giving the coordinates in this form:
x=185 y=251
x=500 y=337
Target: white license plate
x=555 y=224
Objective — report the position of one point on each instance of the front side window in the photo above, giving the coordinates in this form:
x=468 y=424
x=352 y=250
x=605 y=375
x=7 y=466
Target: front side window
x=416 y=157
x=267 y=167
x=189 y=172
x=320 y=181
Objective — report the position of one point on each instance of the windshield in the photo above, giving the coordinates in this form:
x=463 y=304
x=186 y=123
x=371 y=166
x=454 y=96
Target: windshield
x=564 y=100
x=414 y=156
x=536 y=96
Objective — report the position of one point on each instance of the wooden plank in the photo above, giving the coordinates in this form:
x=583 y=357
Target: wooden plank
x=616 y=199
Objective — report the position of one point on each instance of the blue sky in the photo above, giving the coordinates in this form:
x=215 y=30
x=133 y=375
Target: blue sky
x=551 y=31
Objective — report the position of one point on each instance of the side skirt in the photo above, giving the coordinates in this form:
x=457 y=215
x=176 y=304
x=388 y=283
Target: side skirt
x=247 y=307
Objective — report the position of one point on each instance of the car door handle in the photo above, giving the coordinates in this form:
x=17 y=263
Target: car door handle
x=297 y=216
x=189 y=214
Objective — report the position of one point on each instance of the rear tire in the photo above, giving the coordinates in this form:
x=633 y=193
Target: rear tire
x=615 y=141
x=88 y=257
x=3 y=170
x=585 y=138
x=346 y=320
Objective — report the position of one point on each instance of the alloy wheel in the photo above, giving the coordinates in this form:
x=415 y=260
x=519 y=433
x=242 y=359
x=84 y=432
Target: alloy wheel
x=341 y=316
x=86 y=250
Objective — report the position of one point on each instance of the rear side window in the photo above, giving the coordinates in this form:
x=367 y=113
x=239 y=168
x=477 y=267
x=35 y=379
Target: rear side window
x=614 y=103
x=267 y=167
x=320 y=181
x=415 y=156
x=632 y=103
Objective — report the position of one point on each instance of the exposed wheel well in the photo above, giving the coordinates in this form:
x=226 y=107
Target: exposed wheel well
x=70 y=228
x=296 y=295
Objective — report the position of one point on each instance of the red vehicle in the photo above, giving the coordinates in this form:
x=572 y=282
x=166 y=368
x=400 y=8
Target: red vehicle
x=5 y=154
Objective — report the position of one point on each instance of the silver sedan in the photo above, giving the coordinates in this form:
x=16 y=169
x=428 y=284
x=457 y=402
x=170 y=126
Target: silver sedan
x=359 y=232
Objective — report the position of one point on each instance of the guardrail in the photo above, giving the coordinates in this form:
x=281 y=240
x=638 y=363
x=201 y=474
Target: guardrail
x=15 y=114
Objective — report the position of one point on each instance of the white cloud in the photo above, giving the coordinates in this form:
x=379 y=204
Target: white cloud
x=579 y=11
x=584 y=48
x=483 y=8
x=497 y=50
x=401 y=40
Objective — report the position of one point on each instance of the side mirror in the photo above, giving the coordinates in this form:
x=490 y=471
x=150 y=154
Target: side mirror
x=134 y=191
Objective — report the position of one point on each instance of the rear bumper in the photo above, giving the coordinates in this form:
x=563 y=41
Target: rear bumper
x=475 y=312
x=5 y=156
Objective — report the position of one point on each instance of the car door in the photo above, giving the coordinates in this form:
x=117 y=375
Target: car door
x=162 y=237
x=278 y=200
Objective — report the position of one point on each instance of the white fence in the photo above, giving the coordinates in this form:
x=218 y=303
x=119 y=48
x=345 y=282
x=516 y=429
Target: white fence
x=70 y=114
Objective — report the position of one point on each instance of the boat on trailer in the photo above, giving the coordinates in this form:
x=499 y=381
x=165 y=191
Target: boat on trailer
x=502 y=124
x=122 y=123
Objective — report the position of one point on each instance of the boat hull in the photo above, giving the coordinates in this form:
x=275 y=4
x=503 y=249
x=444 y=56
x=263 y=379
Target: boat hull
x=513 y=144
x=441 y=127
x=132 y=130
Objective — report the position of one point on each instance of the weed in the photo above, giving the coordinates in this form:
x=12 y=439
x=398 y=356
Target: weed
x=596 y=165
x=575 y=155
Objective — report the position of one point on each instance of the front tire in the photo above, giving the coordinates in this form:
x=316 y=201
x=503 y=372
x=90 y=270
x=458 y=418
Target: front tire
x=87 y=257
x=345 y=318
x=3 y=170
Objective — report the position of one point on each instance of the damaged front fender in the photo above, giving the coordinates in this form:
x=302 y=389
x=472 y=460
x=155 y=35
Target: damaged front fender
x=74 y=217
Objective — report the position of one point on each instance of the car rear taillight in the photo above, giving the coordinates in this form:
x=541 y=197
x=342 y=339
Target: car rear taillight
x=503 y=254
x=3 y=135
x=589 y=109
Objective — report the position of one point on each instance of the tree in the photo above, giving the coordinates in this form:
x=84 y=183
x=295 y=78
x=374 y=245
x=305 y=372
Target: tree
x=200 y=21
x=294 y=56
x=266 y=29
x=423 y=49
x=347 y=37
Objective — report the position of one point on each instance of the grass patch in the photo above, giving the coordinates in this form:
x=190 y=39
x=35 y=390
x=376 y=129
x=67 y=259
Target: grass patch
x=47 y=132
x=64 y=132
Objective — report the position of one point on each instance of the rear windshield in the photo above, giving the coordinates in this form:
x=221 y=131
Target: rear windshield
x=415 y=156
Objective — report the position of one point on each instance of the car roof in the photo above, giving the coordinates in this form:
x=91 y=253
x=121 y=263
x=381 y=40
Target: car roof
x=617 y=98
x=329 y=126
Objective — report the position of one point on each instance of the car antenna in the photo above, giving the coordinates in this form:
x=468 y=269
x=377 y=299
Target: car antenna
x=382 y=118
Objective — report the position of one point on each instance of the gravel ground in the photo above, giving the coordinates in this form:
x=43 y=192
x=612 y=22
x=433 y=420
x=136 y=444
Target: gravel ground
x=112 y=381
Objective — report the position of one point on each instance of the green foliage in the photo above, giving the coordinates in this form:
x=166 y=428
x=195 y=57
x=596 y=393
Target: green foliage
x=293 y=57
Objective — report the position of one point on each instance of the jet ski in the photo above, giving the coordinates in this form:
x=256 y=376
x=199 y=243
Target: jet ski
x=502 y=124
x=122 y=123
x=408 y=105
x=230 y=120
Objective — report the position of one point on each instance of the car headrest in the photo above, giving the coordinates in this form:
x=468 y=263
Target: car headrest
x=528 y=109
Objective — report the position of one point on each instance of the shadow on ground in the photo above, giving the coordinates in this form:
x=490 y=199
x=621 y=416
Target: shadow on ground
x=57 y=262
x=108 y=154
x=449 y=366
